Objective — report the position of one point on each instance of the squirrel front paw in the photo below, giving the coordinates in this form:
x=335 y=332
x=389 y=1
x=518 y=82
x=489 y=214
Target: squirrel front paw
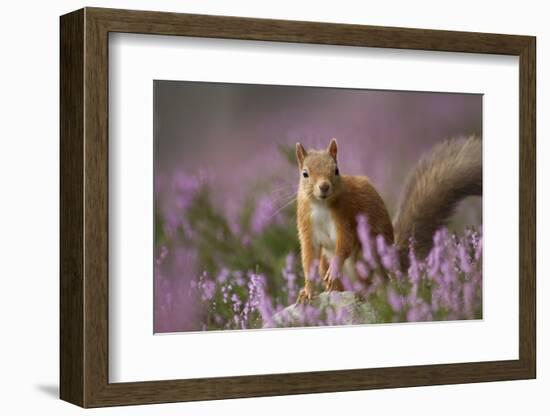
x=305 y=295
x=332 y=281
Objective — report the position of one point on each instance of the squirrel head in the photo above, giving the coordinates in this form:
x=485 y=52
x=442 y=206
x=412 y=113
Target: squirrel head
x=319 y=174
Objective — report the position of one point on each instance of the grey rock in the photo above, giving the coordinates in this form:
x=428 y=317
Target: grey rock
x=334 y=308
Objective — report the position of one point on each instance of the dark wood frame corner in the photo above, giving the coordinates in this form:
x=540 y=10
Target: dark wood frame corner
x=84 y=207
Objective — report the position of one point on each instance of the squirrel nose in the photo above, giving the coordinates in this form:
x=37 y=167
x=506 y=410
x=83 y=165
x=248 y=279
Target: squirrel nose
x=324 y=187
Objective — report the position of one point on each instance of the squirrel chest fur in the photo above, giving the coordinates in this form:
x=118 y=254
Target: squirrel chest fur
x=323 y=228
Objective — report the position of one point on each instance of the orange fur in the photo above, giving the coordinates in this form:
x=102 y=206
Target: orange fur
x=343 y=199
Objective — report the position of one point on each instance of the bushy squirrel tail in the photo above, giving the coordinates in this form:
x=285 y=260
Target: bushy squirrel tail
x=451 y=171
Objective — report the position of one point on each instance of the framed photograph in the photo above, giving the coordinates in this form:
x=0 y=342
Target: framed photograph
x=255 y=207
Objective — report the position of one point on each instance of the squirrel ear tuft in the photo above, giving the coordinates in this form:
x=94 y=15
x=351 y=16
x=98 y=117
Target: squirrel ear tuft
x=300 y=154
x=333 y=148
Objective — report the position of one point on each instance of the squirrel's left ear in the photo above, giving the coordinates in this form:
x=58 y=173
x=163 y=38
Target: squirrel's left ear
x=333 y=148
x=301 y=154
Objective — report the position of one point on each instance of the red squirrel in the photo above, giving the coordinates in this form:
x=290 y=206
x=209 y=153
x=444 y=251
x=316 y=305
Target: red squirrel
x=329 y=204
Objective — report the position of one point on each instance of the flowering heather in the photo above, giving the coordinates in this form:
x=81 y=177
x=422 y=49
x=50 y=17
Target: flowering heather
x=264 y=214
x=206 y=278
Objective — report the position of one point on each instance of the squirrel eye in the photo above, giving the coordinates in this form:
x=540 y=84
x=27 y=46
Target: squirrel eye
x=306 y=175
x=337 y=172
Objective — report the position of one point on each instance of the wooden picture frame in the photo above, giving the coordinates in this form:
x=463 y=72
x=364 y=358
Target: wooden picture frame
x=84 y=207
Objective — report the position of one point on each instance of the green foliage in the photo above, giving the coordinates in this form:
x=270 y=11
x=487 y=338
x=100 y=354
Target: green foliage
x=289 y=153
x=218 y=246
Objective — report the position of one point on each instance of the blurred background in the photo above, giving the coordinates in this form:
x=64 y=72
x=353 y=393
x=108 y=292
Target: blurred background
x=226 y=178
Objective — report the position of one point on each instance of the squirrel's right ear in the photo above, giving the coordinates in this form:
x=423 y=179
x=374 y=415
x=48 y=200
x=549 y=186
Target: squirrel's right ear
x=300 y=154
x=333 y=148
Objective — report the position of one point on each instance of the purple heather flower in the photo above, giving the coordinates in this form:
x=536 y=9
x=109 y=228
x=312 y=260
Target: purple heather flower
x=267 y=309
x=208 y=288
x=465 y=265
x=362 y=270
x=413 y=315
x=395 y=300
x=342 y=316
x=440 y=236
x=289 y=261
x=330 y=317
x=225 y=294
x=412 y=297
x=414 y=266
x=433 y=262
x=236 y=303
x=311 y=315
x=233 y=222
x=263 y=215
x=339 y=316
x=238 y=277
x=374 y=285
x=162 y=255
x=255 y=288
x=347 y=284
x=456 y=303
x=246 y=240
x=419 y=313
x=449 y=272
x=314 y=271
x=387 y=253
x=335 y=266
x=290 y=276
x=288 y=271
x=223 y=275
x=363 y=232
x=172 y=221
x=185 y=187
